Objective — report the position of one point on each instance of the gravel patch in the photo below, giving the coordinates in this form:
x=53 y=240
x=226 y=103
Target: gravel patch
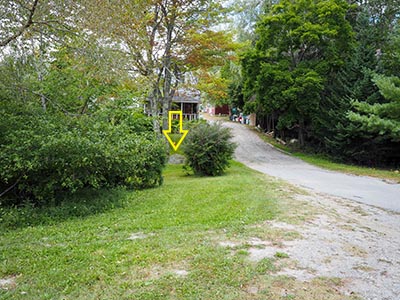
x=361 y=248
x=357 y=243
x=257 y=254
x=176 y=159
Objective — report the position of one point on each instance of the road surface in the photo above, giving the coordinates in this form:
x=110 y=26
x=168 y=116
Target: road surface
x=261 y=156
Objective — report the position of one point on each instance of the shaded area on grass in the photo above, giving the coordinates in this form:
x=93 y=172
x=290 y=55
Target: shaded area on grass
x=80 y=205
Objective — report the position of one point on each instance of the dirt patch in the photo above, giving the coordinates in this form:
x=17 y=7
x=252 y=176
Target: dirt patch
x=8 y=283
x=354 y=243
x=176 y=159
x=316 y=289
x=181 y=273
x=258 y=254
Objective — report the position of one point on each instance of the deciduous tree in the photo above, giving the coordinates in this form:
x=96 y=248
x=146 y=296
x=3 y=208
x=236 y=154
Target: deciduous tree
x=300 y=46
x=159 y=39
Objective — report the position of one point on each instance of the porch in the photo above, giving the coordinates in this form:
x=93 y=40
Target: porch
x=190 y=111
x=187 y=101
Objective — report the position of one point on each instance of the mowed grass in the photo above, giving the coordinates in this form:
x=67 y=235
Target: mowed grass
x=79 y=255
x=162 y=243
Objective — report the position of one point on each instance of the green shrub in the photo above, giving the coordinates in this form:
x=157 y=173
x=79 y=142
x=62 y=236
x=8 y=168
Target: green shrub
x=208 y=149
x=43 y=155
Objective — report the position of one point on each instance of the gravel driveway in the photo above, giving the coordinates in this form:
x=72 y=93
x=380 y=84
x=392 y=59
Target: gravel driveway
x=354 y=237
x=257 y=154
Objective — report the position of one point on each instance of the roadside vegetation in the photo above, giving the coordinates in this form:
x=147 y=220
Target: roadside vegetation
x=325 y=73
x=328 y=162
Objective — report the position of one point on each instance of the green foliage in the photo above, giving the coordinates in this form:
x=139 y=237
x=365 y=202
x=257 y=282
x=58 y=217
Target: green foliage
x=371 y=131
x=42 y=155
x=120 y=111
x=80 y=205
x=391 y=52
x=311 y=74
x=17 y=79
x=68 y=84
x=281 y=255
x=247 y=14
x=78 y=82
x=300 y=46
x=208 y=149
x=69 y=124
x=354 y=83
x=380 y=118
x=233 y=73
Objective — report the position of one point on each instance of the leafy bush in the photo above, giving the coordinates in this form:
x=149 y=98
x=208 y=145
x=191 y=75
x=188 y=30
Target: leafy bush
x=81 y=204
x=42 y=155
x=208 y=149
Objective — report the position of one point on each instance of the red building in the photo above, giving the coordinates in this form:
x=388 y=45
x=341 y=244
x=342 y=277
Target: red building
x=219 y=110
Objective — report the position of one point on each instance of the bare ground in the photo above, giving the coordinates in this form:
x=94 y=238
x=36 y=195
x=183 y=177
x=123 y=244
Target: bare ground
x=340 y=240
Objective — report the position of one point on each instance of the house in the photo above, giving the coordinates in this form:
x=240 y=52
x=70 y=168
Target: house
x=188 y=101
x=185 y=100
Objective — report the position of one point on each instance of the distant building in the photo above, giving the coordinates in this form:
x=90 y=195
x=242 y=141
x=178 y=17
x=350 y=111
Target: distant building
x=218 y=110
x=188 y=101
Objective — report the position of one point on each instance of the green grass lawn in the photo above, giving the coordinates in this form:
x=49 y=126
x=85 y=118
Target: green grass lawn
x=154 y=244
x=327 y=163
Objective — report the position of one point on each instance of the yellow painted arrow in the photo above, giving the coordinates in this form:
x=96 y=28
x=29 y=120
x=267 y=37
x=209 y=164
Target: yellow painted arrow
x=181 y=131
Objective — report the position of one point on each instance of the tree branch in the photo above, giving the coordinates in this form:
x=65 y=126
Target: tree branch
x=28 y=23
x=10 y=188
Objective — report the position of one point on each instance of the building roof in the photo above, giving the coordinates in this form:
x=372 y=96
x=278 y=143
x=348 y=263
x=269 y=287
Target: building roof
x=187 y=96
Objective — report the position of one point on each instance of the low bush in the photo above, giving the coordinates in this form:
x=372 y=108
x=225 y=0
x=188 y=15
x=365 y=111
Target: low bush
x=43 y=155
x=208 y=149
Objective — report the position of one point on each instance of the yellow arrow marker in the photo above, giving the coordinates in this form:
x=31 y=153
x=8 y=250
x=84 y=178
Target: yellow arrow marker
x=181 y=131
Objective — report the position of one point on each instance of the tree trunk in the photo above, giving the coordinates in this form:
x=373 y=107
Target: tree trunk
x=167 y=91
x=165 y=115
x=43 y=102
x=41 y=69
x=154 y=111
x=301 y=133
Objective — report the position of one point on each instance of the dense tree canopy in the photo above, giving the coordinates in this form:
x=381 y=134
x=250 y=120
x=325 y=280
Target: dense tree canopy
x=317 y=71
x=75 y=75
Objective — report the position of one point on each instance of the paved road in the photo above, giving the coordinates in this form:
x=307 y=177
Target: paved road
x=258 y=155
